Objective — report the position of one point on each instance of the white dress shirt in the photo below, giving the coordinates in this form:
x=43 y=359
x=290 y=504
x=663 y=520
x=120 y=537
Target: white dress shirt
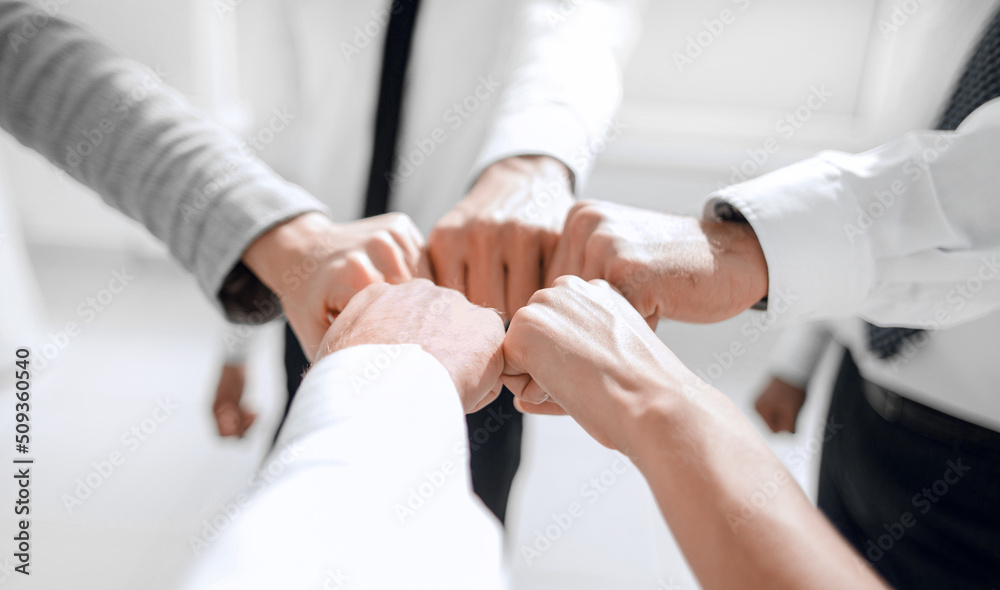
x=907 y=234
x=486 y=80
x=367 y=488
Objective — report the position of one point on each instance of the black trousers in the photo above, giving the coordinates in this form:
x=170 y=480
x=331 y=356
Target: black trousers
x=494 y=434
x=923 y=511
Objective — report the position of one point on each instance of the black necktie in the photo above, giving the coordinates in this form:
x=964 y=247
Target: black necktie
x=395 y=57
x=979 y=84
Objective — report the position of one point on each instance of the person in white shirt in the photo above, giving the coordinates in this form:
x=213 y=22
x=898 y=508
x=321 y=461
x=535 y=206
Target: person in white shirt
x=905 y=235
x=238 y=227
x=359 y=505
x=503 y=106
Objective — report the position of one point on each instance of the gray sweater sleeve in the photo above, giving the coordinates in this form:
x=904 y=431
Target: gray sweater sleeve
x=111 y=124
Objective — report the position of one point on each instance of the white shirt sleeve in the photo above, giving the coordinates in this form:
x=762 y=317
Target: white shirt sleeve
x=906 y=234
x=798 y=351
x=565 y=82
x=368 y=487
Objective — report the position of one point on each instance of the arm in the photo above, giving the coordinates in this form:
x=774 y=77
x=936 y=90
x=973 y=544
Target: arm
x=581 y=346
x=369 y=481
x=112 y=125
x=792 y=364
x=256 y=243
x=552 y=120
x=232 y=417
x=905 y=234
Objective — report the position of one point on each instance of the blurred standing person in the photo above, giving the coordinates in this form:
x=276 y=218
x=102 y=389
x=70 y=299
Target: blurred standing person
x=480 y=120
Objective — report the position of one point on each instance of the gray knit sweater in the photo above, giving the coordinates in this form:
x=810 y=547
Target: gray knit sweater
x=111 y=124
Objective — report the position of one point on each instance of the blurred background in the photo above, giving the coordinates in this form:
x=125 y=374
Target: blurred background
x=686 y=130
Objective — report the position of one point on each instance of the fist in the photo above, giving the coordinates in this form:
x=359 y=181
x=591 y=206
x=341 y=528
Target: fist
x=779 y=405
x=494 y=244
x=316 y=266
x=665 y=265
x=582 y=347
x=465 y=338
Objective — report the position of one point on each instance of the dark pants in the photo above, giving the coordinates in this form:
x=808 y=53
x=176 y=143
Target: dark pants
x=494 y=434
x=924 y=512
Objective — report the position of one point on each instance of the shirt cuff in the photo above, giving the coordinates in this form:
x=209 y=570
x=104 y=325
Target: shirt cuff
x=541 y=130
x=370 y=390
x=230 y=228
x=799 y=214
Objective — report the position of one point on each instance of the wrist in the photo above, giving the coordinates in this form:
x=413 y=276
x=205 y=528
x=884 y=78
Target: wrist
x=286 y=246
x=739 y=259
x=544 y=168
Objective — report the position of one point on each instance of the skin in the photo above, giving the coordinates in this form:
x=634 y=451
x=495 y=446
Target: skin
x=231 y=417
x=667 y=266
x=494 y=244
x=466 y=339
x=779 y=405
x=344 y=258
x=585 y=349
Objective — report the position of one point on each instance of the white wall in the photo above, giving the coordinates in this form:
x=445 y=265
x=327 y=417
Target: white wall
x=685 y=126
x=184 y=42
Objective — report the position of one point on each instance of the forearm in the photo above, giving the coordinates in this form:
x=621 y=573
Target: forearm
x=112 y=125
x=563 y=83
x=364 y=460
x=897 y=234
x=736 y=512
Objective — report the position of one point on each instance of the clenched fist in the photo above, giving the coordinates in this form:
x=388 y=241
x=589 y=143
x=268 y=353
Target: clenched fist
x=666 y=265
x=315 y=266
x=465 y=338
x=493 y=245
x=581 y=347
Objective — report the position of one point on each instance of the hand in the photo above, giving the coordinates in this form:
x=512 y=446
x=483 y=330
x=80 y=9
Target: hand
x=583 y=347
x=592 y=353
x=231 y=417
x=315 y=266
x=666 y=265
x=779 y=405
x=493 y=245
x=465 y=338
